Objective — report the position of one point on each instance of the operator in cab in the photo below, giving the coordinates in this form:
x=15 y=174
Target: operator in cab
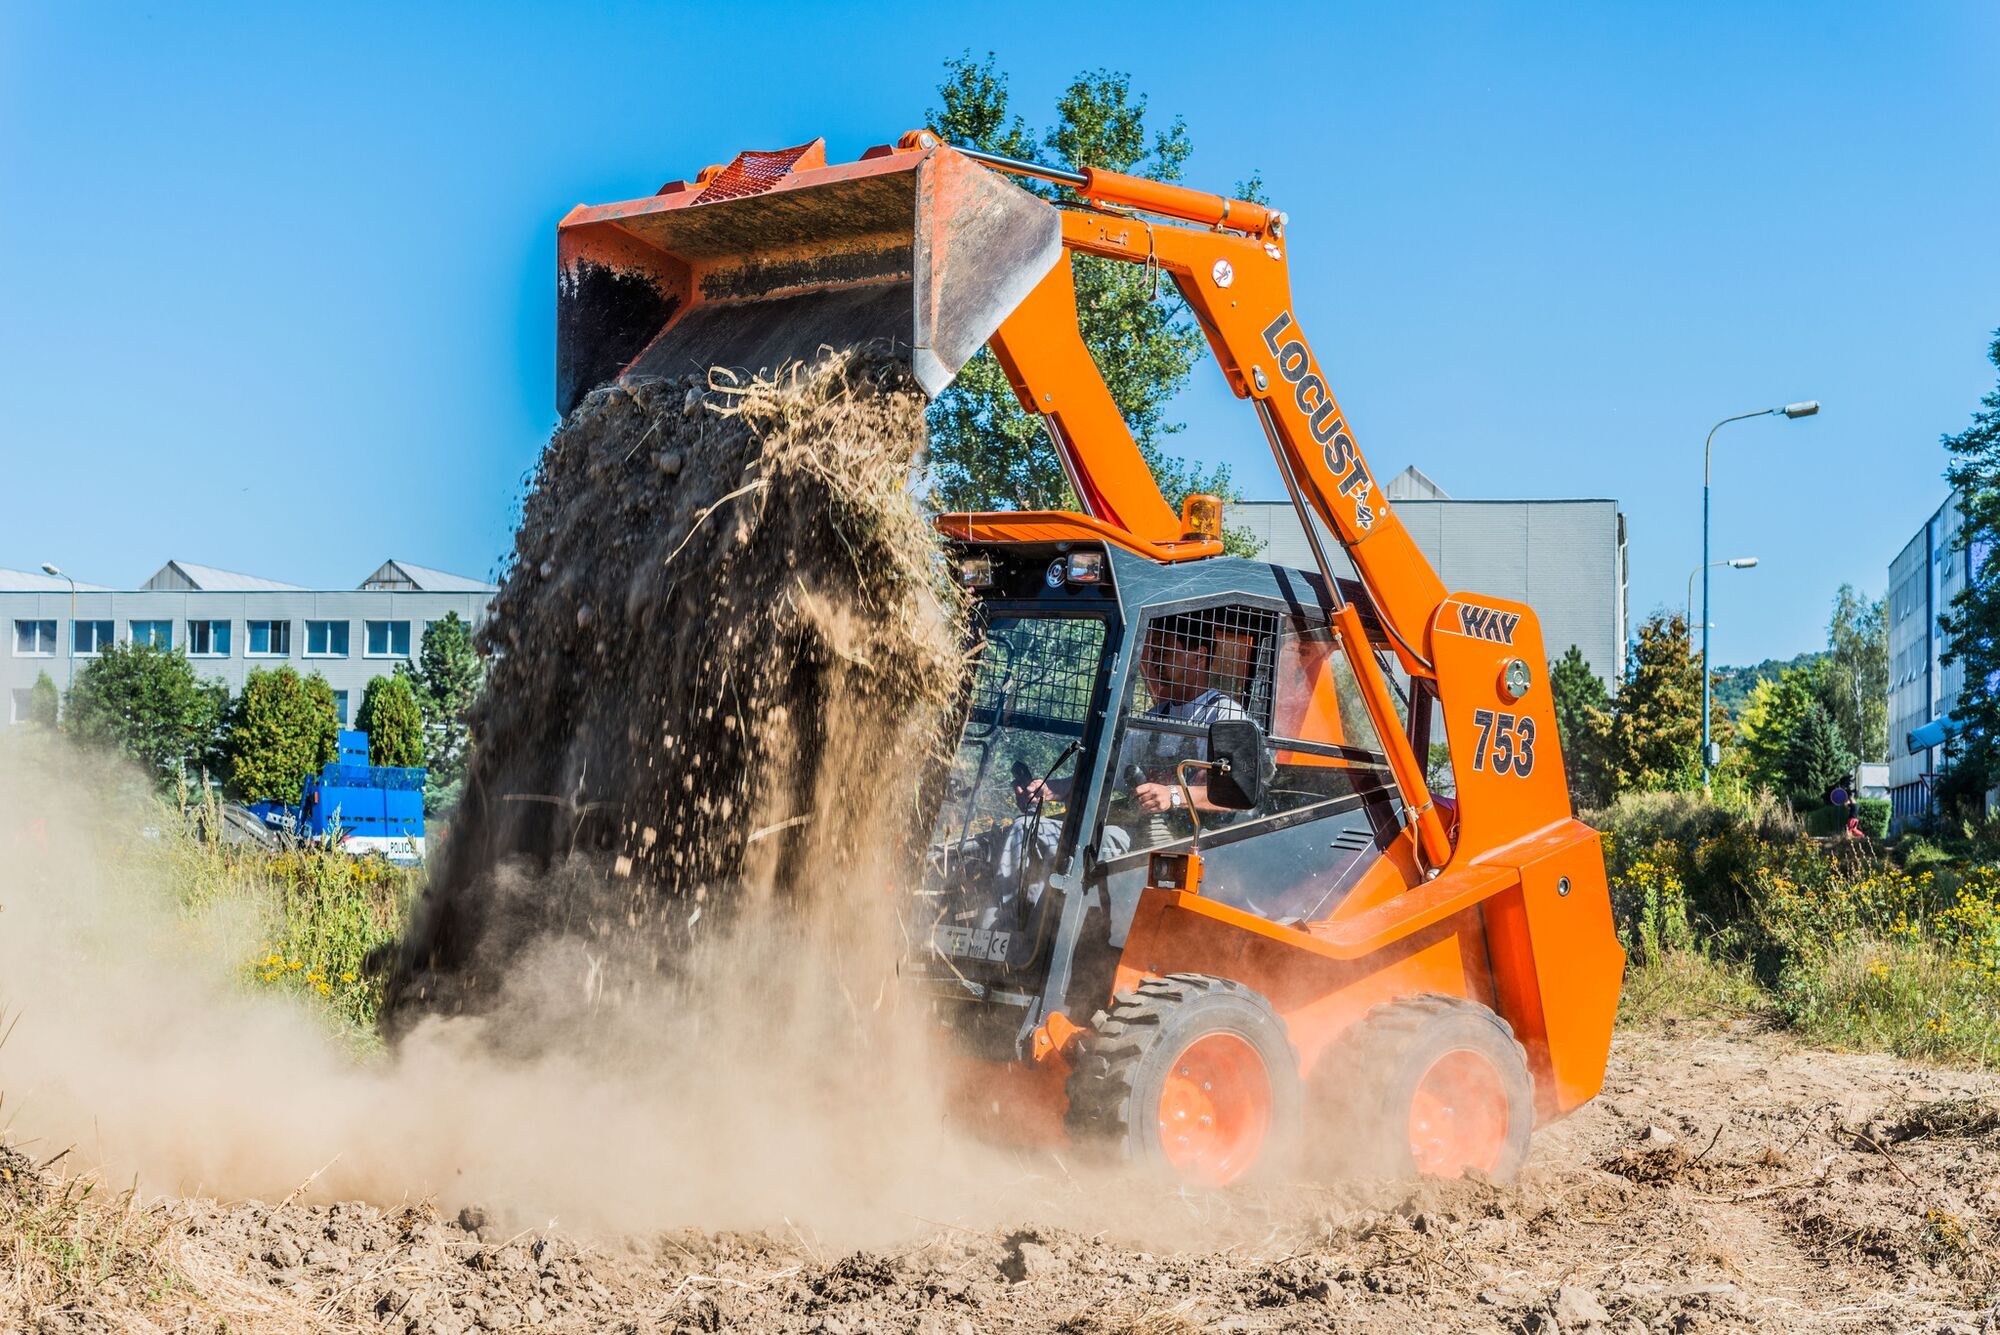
x=1179 y=662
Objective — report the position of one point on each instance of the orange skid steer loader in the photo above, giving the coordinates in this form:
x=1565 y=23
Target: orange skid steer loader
x=1197 y=887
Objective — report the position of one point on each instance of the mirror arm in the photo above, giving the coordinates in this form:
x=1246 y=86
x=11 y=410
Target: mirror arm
x=1187 y=793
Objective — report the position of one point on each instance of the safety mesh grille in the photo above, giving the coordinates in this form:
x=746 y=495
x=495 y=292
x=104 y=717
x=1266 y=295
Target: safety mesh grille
x=1230 y=650
x=752 y=173
x=1039 y=673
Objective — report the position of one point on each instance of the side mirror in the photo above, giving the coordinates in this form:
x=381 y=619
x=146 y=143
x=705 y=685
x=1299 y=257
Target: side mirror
x=1236 y=764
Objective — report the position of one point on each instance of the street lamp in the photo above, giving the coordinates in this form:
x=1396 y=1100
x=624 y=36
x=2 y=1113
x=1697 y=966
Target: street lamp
x=1734 y=563
x=1805 y=409
x=69 y=671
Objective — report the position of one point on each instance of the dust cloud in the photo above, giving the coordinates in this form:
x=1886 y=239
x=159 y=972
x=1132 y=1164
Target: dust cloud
x=652 y=983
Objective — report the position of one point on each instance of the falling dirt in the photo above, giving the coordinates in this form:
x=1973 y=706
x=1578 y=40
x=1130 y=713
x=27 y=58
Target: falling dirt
x=1729 y=1180
x=719 y=665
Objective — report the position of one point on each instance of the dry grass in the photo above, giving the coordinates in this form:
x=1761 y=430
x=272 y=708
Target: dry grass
x=1689 y=984
x=69 y=1247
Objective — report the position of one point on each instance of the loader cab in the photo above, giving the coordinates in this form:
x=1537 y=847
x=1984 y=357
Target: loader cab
x=1094 y=672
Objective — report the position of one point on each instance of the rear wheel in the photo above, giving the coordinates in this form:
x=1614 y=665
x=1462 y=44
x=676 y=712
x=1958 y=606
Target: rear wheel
x=1192 y=1078
x=1430 y=1086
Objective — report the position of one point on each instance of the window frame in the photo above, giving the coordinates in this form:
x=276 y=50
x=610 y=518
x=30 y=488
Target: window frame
x=389 y=638
x=132 y=625
x=347 y=638
x=110 y=637
x=271 y=624
x=210 y=623
x=54 y=637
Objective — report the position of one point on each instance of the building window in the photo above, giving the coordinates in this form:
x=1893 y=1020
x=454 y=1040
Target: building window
x=208 y=639
x=34 y=639
x=22 y=700
x=159 y=634
x=269 y=639
x=326 y=639
x=388 y=639
x=87 y=639
x=340 y=707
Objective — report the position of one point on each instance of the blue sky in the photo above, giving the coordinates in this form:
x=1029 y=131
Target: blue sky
x=279 y=279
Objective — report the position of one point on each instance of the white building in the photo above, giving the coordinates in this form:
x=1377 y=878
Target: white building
x=228 y=624
x=1564 y=558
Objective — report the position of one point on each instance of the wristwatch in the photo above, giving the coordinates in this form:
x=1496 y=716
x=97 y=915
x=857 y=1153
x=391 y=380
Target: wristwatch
x=1175 y=798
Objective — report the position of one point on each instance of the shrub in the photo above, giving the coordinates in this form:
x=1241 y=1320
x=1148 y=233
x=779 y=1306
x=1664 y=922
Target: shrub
x=1717 y=855
x=1875 y=817
x=393 y=722
x=282 y=728
x=328 y=911
x=1852 y=947
x=1919 y=852
x=42 y=701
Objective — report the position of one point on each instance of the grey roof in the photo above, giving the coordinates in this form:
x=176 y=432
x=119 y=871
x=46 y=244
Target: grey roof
x=394 y=574
x=22 y=581
x=1412 y=484
x=185 y=575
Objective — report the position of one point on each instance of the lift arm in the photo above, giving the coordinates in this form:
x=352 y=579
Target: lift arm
x=1232 y=269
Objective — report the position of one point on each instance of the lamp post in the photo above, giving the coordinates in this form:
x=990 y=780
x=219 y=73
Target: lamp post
x=69 y=671
x=1805 y=409
x=1734 y=563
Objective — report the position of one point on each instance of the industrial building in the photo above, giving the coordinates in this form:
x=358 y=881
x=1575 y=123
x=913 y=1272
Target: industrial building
x=1564 y=558
x=228 y=624
x=1923 y=691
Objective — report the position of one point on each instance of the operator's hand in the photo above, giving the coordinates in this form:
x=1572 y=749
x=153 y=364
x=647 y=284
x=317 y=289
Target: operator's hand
x=1040 y=791
x=1154 y=797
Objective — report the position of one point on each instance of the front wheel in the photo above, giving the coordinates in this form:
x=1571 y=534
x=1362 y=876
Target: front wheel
x=1430 y=1086
x=1192 y=1078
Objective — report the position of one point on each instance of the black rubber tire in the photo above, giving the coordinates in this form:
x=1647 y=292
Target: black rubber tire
x=1363 y=1087
x=1121 y=1064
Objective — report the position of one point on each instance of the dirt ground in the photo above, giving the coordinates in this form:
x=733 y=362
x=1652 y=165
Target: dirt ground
x=1728 y=1179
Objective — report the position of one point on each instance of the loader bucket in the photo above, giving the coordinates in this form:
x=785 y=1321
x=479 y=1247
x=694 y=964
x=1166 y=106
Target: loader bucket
x=778 y=256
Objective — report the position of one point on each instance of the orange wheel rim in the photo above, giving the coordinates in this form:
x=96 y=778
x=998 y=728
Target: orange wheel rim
x=1215 y=1110
x=1458 y=1118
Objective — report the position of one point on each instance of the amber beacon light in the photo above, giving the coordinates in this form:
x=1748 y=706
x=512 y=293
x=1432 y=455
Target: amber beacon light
x=1201 y=517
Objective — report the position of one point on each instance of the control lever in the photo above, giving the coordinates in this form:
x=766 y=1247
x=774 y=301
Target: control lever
x=1157 y=830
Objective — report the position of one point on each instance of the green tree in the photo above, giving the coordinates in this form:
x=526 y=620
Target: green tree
x=389 y=714
x=1817 y=757
x=43 y=701
x=1972 y=623
x=148 y=703
x=1854 y=681
x=986 y=452
x=1771 y=721
x=1656 y=727
x=282 y=728
x=1583 y=723
x=448 y=677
